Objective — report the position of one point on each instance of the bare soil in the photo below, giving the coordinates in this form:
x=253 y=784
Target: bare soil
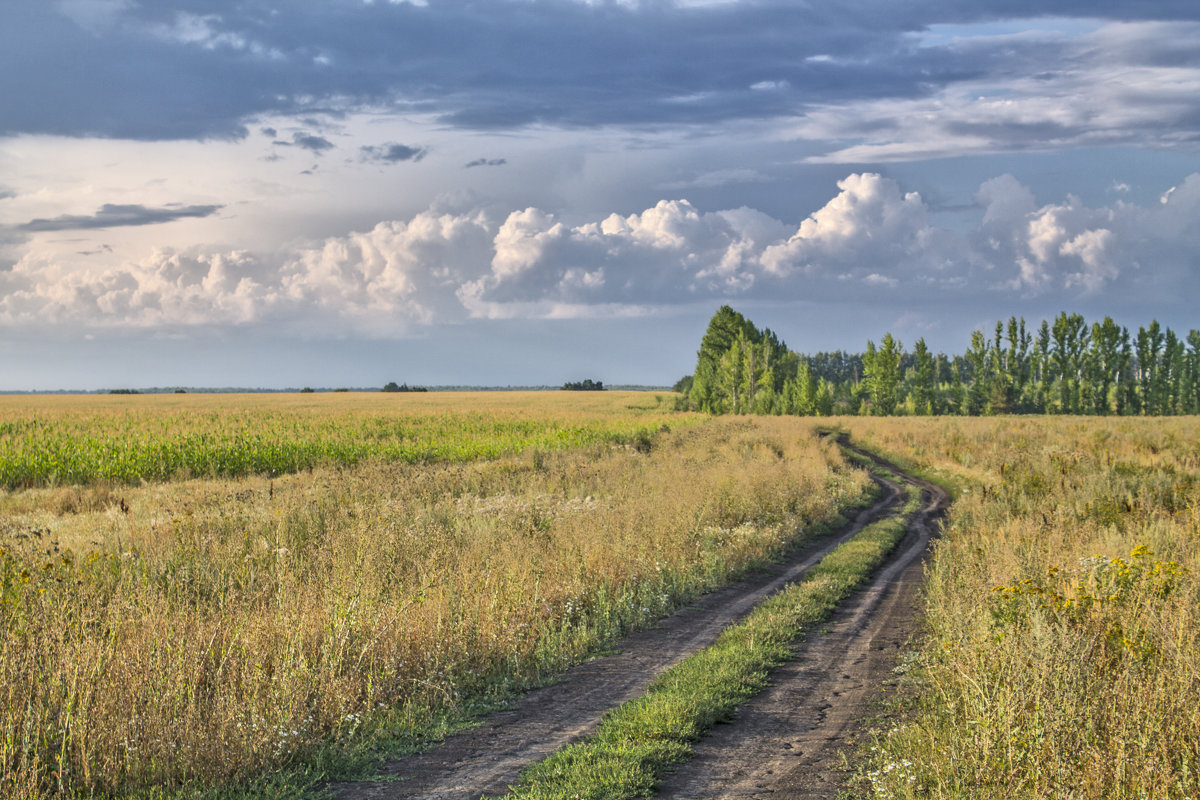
x=789 y=742
x=782 y=744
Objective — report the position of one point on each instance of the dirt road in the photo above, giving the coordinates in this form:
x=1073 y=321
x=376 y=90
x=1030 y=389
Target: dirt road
x=486 y=759
x=786 y=742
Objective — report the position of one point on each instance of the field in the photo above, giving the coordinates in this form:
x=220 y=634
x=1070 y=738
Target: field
x=70 y=440
x=164 y=637
x=1062 y=657
x=232 y=596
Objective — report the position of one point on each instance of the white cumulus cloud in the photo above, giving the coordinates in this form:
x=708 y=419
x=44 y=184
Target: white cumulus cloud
x=380 y=282
x=666 y=254
x=870 y=224
x=871 y=239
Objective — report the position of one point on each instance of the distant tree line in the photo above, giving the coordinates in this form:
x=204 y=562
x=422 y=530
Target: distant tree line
x=585 y=385
x=392 y=386
x=1062 y=367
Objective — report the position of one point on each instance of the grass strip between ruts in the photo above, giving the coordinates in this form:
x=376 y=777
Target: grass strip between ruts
x=638 y=741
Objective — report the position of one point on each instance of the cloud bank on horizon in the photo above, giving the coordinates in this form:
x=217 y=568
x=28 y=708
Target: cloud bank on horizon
x=309 y=167
x=871 y=239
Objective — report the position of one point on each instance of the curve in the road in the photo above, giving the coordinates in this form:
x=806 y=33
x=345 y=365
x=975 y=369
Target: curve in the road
x=786 y=743
x=487 y=758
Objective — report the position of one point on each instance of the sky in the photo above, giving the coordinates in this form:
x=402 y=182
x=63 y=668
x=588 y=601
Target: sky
x=279 y=193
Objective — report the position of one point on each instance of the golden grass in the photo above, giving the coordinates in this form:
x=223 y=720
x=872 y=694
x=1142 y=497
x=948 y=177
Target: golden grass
x=165 y=637
x=525 y=404
x=1063 y=651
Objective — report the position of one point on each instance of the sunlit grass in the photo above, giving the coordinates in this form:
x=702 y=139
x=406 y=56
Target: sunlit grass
x=166 y=637
x=57 y=440
x=640 y=740
x=1063 y=652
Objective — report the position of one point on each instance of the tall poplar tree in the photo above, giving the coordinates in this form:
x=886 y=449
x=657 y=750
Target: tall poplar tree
x=1070 y=335
x=976 y=385
x=1173 y=365
x=923 y=386
x=1149 y=349
x=882 y=375
x=1191 y=403
x=1104 y=364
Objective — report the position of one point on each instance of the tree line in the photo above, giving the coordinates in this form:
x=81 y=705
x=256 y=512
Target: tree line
x=1064 y=366
x=585 y=385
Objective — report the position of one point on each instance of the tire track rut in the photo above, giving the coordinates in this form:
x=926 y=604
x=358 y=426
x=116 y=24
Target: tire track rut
x=786 y=742
x=487 y=758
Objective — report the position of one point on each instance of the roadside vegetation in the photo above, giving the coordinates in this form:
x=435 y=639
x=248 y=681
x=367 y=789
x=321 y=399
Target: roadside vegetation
x=167 y=639
x=639 y=741
x=1062 y=653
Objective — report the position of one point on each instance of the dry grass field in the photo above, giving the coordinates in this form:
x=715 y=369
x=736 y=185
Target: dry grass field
x=199 y=591
x=161 y=637
x=1063 y=649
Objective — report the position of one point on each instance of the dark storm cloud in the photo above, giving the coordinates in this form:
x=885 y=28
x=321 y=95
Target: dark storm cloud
x=393 y=153
x=114 y=216
x=190 y=69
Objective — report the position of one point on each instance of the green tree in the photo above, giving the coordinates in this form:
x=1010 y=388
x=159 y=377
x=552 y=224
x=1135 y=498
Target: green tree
x=1069 y=367
x=1104 y=365
x=1127 y=400
x=1037 y=391
x=1018 y=364
x=710 y=390
x=1070 y=337
x=753 y=371
x=1149 y=350
x=730 y=381
x=976 y=391
x=1191 y=403
x=1174 y=364
x=923 y=384
x=723 y=330
x=758 y=376
x=957 y=402
x=825 y=398
x=1000 y=386
x=881 y=375
x=943 y=401
x=800 y=393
